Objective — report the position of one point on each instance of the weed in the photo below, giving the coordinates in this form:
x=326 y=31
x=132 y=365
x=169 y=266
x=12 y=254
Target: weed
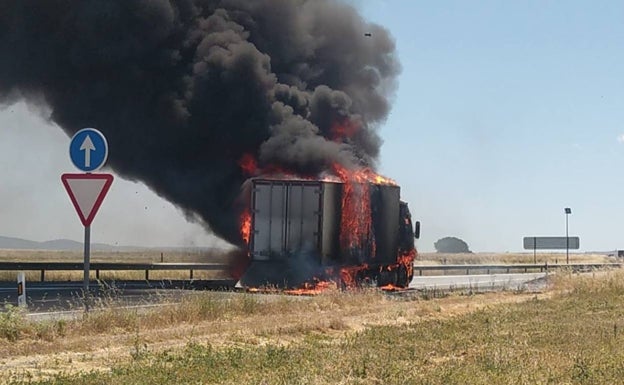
x=139 y=347
x=12 y=323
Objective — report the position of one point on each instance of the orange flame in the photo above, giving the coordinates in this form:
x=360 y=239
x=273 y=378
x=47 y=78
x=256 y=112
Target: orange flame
x=245 y=227
x=407 y=260
x=348 y=275
x=361 y=175
x=248 y=164
x=355 y=231
x=314 y=288
x=346 y=129
x=391 y=287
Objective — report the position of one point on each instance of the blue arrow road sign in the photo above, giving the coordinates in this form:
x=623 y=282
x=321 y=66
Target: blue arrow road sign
x=88 y=150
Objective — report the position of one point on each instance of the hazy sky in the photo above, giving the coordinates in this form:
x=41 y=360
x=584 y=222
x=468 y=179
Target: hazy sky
x=506 y=113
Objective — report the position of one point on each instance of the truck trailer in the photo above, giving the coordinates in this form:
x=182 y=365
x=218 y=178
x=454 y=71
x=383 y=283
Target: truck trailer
x=305 y=231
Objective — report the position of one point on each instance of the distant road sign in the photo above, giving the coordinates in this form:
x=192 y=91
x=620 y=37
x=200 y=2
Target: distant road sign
x=551 y=243
x=88 y=149
x=87 y=191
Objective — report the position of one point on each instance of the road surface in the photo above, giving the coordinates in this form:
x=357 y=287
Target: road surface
x=60 y=296
x=485 y=282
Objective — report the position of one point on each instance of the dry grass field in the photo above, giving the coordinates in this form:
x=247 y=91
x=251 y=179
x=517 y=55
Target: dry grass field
x=221 y=256
x=510 y=258
x=139 y=256
x=573 y=333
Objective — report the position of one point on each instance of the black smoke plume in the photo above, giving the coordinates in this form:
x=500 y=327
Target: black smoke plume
x=183 y=89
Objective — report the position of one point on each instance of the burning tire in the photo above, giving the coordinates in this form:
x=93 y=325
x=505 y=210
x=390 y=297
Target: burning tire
x=403 y=278
x=387 y=277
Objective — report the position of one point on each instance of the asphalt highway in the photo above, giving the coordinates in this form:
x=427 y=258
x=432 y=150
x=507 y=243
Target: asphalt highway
x=479 y=283
x=61 y=296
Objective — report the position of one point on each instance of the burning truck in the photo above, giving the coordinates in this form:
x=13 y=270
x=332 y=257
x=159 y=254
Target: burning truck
x=226 y=91
x=351 y=229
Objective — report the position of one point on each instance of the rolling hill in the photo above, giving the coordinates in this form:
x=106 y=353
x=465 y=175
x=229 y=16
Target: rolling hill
x=56 y=244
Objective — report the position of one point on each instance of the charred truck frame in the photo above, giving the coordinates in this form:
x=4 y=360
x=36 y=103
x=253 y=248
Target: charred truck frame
x=308 y=230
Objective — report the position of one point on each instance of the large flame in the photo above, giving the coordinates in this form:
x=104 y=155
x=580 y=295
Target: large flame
x=245 y=226
x=356 y=229
x=356 y=233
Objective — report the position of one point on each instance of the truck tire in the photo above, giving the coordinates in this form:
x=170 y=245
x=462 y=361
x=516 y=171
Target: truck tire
x=402 y=278
x=386 y=277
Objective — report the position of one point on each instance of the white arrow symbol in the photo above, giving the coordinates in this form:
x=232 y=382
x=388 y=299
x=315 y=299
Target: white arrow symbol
x=87 y=146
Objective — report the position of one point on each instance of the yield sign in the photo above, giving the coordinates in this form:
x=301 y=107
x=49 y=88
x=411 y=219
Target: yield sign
x=87 y=191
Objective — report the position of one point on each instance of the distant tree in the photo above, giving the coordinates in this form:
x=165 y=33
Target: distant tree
x=451 y=245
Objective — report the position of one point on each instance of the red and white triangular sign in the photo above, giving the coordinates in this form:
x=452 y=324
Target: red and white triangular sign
x=87 y=191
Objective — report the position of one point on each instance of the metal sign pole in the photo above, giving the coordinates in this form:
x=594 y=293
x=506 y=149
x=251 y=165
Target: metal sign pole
x=88 y=151
x=567 y=211
x=87 y=255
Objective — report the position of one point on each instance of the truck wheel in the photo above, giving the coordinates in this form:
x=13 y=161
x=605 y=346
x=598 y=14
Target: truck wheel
x=386 y=277
x=402 y=279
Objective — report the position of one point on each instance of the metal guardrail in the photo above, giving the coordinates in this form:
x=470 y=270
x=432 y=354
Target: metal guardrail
x=508 y=268
x=108 y=266
x=147 y=267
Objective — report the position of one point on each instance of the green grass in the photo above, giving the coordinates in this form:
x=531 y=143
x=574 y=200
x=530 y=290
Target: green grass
x=11 y=321
x=14 y=325
x=572 y=338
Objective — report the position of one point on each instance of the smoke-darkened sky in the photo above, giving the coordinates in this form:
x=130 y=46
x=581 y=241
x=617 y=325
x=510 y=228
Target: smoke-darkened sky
x=505 y=113
x=183 y=89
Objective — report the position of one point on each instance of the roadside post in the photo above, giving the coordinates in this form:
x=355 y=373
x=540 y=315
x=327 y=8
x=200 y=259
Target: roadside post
x=21 y=289
x=88 y=151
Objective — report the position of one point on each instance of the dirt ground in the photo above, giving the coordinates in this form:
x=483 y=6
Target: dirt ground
x=78 y=353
